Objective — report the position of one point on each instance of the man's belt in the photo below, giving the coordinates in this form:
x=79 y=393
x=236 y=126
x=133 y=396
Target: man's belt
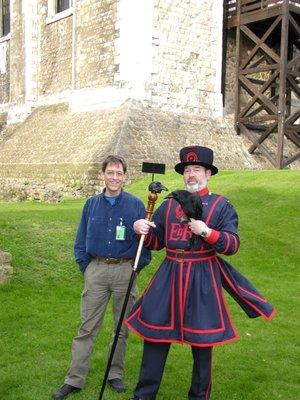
x=112 y=260
x=189 y=256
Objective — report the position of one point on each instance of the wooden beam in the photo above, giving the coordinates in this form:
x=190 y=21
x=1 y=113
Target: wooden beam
x=245 y=2
x=256 y=95
x=251 y=89
x=294 y=62
x=261 y=42
x=270 y=129
x=282 y=82
x=261 y=146
x=295 y=9
x=257 y=70
x=293 y=117
x=263 y=46
x=294 y=136
x=296 y=74
x=258 y=61
x=262 y=118
x=295 y=26
x=291 y=159
x=261 y=108
x=238 y=62
x=294 y=86
x=260 y=15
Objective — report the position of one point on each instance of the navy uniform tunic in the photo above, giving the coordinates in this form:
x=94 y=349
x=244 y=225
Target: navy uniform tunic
x=184 y=302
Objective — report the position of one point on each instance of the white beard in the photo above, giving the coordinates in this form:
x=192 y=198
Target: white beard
x=195 y=187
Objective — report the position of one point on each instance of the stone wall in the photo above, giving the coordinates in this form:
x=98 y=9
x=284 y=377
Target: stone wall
x=230 y=72
x=17 y=55
x=165 y=52
x=57 y=146
x=4 y=72
x=188 y=56
x=55 y=71
x=6 y=269
x=94 y=47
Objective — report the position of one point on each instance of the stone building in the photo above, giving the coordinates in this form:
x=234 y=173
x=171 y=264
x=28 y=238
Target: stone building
x=80 y=79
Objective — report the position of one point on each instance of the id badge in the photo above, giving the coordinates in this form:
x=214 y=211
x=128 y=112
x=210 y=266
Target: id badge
x=120 y=231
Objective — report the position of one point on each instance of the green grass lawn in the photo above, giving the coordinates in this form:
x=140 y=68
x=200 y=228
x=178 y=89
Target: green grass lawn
x=39 y=308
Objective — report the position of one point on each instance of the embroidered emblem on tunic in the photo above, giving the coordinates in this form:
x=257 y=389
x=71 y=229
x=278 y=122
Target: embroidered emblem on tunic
x=180 y=214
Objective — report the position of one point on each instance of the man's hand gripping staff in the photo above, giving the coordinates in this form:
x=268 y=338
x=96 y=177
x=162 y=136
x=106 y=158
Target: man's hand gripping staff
x=142 y=226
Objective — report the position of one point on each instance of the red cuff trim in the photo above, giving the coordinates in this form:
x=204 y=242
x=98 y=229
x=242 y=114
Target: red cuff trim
x=213 y=237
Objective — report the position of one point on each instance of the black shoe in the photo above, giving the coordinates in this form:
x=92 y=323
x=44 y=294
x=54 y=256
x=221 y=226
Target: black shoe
x=64 y=391
x=136 y=398
x=117 y=385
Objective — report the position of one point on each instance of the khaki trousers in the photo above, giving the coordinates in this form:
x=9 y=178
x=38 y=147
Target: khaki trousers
x=101 y=282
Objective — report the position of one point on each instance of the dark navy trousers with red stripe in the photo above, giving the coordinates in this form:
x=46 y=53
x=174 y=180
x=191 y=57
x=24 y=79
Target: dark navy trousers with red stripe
x=152 y=368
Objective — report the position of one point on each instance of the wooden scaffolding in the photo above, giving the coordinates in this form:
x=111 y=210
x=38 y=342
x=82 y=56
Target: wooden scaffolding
x=267 y=99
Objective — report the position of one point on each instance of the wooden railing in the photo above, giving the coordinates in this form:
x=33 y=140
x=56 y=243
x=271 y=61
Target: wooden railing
x=250 y=6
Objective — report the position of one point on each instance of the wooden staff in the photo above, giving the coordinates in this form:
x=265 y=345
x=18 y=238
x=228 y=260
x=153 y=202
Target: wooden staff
x=154 y=188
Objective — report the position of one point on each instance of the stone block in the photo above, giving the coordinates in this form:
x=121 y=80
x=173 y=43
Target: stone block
x=6 y=270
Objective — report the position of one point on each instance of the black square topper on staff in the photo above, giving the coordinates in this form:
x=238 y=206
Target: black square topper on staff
x=153 y=168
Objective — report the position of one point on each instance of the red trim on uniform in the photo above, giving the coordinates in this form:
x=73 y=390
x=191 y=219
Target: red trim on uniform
x=213 y=237
x=166 y=221
x=150 y=339
x=187 y=251
x=221 y=318
x=203 y=192
x=218 y=199
x=179 y=341
x=236 y=244
x=227 y=242
x=181 y=299
x=253 y=295
x=271 y=315
x=217 y=293
x=186 y=259
x=228 y=313
x=204 y=331
x=172 y=313
x=187 y=279
x=233 y=339
x=245 y=300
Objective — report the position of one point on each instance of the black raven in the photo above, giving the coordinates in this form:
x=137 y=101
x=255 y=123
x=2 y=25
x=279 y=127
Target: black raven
x=191 y=205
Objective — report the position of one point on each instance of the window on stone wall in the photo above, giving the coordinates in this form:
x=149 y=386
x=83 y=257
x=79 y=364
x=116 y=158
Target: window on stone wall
x=4 y=17
x=58 y=6
x=62 y=5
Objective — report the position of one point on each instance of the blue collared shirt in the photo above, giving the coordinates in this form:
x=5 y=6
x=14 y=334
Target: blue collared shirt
x=96 y=234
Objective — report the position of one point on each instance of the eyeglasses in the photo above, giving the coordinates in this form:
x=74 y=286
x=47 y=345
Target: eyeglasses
x=112 y=174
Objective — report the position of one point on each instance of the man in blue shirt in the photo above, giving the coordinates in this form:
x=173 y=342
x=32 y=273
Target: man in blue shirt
x=105 y=248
